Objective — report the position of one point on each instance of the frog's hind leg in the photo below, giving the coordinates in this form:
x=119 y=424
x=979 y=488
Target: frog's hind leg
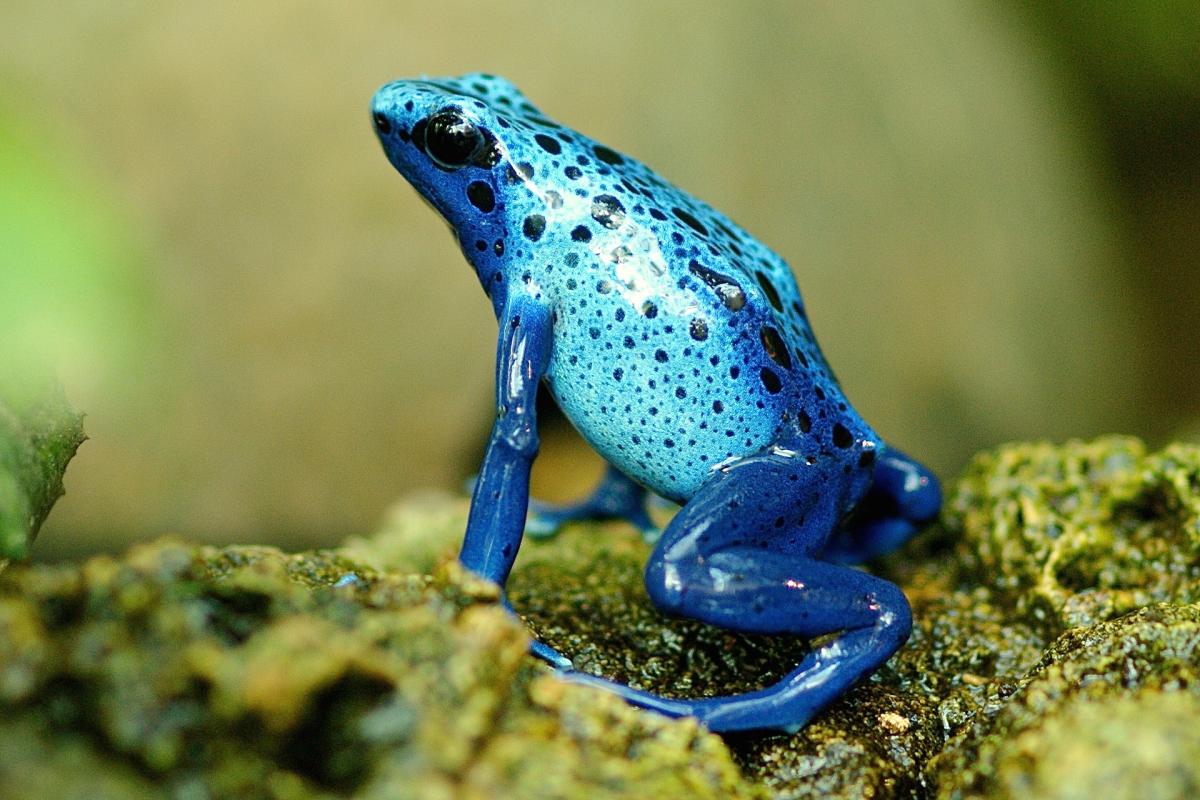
x=741 y=555
x=616 y=497
x=904 y=497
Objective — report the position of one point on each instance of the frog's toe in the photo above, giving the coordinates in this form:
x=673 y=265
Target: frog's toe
x=651 y=533
x=551 y=656
x=635 y=697
x=545 y=520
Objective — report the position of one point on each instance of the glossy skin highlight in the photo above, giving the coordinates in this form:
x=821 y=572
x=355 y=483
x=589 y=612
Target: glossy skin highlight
x=679 y=347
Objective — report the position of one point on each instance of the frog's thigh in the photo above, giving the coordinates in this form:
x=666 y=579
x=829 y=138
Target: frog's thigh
x=727 y=560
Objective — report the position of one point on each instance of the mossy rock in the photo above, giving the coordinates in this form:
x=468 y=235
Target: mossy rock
x=247 y=672
x=1082 y=532
x=1110 y=711
x=382 y=669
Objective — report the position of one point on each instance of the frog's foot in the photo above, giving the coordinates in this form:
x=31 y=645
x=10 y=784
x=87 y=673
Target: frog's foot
x=551 y=656
x=617 y=497
x=635 y=697
x=540 y=649
x=786 y=706
x=904 y=497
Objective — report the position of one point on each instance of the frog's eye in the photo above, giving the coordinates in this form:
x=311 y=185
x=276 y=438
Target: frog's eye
x=452 y=140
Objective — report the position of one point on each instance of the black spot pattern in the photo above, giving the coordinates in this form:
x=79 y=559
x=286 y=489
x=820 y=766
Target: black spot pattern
x=533 y=227
x=731 y=294
x=607 y=156
x=841 y=436
x=776 y=350
x=608 y=211
x=481 y=196
x=548 y=143
x=690 y=221
x=769 y=291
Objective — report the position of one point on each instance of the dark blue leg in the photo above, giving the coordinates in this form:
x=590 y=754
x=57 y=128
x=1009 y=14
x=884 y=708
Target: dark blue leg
x=617 y=497
x=904 y=497
x=496 y=520
x=741 y=555
x=498 y=504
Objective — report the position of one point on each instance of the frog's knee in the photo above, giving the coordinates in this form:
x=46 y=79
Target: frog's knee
x=915 y=490
x=894 y=620
x=924 y=501
x=665 y=585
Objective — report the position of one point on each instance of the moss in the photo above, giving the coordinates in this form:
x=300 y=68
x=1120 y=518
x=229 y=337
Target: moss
x=1108 y=712
x=381 y=669
x=1140 y=747
x=1082 y=532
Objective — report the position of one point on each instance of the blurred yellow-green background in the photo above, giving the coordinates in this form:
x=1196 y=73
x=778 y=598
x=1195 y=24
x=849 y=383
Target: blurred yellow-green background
x=993 y=210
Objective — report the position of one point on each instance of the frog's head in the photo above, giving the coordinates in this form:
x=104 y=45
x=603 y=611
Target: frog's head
x=457 y=141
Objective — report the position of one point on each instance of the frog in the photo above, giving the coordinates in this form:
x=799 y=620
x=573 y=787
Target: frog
x=678 y=345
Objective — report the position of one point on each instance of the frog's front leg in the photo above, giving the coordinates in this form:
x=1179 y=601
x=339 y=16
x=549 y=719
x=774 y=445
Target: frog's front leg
x=616 y=497
x=497 y=517
x=904 y=497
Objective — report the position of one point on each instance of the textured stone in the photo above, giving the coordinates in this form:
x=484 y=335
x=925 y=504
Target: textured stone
x=246 y=672
x=1055 y=654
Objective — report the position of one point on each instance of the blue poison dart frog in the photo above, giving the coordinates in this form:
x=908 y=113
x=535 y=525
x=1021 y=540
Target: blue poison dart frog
x=679 y=347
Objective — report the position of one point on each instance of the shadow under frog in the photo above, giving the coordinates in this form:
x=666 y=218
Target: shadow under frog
x=679 y=347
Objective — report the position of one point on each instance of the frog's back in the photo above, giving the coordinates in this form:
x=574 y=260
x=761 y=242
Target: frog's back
x=680 y=341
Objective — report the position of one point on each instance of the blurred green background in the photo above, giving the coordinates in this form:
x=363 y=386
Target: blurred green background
x=993 y=211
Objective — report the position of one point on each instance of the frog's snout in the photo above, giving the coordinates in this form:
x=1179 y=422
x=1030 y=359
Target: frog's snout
x=394 y=108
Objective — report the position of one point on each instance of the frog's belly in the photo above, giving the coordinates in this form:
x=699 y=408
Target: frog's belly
x=665 y=428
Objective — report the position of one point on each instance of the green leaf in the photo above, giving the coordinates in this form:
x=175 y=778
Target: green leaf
x=39 y=434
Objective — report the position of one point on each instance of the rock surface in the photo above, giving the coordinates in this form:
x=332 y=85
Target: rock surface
x=1056 y=654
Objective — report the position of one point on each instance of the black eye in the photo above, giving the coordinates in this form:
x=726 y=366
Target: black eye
x=381 y=123
x=451 y=140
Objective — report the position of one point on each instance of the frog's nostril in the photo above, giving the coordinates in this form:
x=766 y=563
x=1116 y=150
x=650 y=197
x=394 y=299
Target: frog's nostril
x=382 y=123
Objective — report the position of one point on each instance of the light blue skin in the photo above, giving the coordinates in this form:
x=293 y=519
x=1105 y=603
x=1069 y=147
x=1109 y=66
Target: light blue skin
x=678 y=346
